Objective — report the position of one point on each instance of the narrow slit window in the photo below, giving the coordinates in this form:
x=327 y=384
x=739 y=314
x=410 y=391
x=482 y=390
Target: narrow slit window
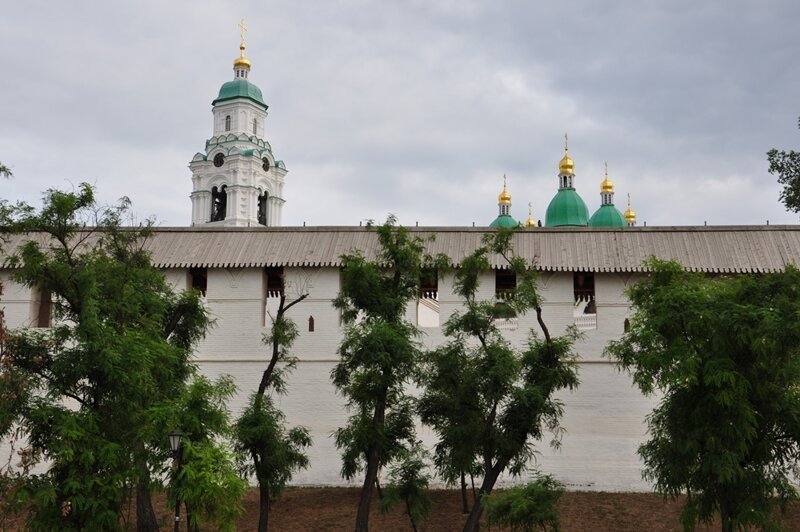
x=44 y=312
x=228 y=123
x=311 y=324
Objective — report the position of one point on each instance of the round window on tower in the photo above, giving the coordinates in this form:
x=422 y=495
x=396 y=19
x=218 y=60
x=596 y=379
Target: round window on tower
x=265 y=164
x=219 y=160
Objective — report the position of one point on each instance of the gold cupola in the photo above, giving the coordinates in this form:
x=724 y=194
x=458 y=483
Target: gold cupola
x=566 y=165
x=530 y=222
x=607 y=185
x=241 y=61
x=630 y=214
x=505 y=196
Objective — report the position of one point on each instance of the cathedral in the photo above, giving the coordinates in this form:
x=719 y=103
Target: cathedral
x=241 y=258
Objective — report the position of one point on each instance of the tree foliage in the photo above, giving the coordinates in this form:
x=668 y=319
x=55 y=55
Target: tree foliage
x=89 y=392
x=786 y=165
x=526 y=508
x=487 y=400
x=408 y=483
x=379 y=356
x=207 y=482
x=5 y=171
x=724 y=354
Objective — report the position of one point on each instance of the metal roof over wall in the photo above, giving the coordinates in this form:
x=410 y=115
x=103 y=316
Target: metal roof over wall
x=707 y=249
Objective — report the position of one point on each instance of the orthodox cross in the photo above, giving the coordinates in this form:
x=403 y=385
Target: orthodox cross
x=243 y=28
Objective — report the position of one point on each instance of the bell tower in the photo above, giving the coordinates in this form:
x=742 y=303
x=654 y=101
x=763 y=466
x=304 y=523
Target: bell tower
x=236 y=180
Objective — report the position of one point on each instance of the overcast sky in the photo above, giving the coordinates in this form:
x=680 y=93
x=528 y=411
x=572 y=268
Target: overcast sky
x=415 y=108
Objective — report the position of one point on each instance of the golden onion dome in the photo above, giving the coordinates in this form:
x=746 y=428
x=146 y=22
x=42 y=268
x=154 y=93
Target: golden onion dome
x=505 y=196
x=607 y=185
x=566 y=165
x=630 y=214
x=241 y=61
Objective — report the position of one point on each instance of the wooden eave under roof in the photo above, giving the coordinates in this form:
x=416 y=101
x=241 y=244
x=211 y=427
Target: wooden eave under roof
x=718 y=249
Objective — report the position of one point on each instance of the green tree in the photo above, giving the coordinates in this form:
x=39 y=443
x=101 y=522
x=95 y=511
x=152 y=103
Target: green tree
x=485 y=399
x=526 y=508
x=786 y=165
x=723 y=352
x=275 y=451
x=379 y=356
x=88 y=391
x=202 y=414
x=408 y=483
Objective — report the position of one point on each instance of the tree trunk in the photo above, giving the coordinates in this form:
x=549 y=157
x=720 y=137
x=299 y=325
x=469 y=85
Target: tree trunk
x=189 y=526
x=464 y=503
x=473 y=523
x=263 y=507
x=145 y=516
x=362 y=517
x=725 y=514
x=373 y=457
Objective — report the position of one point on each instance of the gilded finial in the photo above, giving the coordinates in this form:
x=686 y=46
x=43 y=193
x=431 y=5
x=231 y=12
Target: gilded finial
x=504 y=197
x=607 y=185
x=630 y=214
x=241 y=64
x=566 y=165
x=530 y=222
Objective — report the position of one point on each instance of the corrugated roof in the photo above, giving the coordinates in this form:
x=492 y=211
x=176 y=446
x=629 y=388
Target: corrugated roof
x=706 y=249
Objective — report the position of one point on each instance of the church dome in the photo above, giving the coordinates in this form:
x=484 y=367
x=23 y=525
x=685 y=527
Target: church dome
x=504 y=220
x=240 y=88
x=607 y=216
x=566 y=165
x=566 y=208
x=504 y=197
x=630 y=215
x=607 y=185
x=241 y=61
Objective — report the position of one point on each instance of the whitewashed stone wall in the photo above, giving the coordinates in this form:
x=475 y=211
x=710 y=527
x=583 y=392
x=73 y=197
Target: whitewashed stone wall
x=604 y=417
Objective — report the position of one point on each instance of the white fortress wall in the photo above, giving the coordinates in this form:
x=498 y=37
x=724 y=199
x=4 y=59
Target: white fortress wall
x=603 y=418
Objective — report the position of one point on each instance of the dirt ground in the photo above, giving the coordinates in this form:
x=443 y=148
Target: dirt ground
x=329 y=509
x=335 y=509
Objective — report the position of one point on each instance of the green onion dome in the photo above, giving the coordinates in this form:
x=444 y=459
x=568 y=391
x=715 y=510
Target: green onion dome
x=566 y=208
x=504 y=220
x=240 y=88
x=607 y=216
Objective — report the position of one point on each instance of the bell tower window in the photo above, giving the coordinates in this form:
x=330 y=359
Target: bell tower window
x=228 y=123
x=255 y=126
x=219 y=200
